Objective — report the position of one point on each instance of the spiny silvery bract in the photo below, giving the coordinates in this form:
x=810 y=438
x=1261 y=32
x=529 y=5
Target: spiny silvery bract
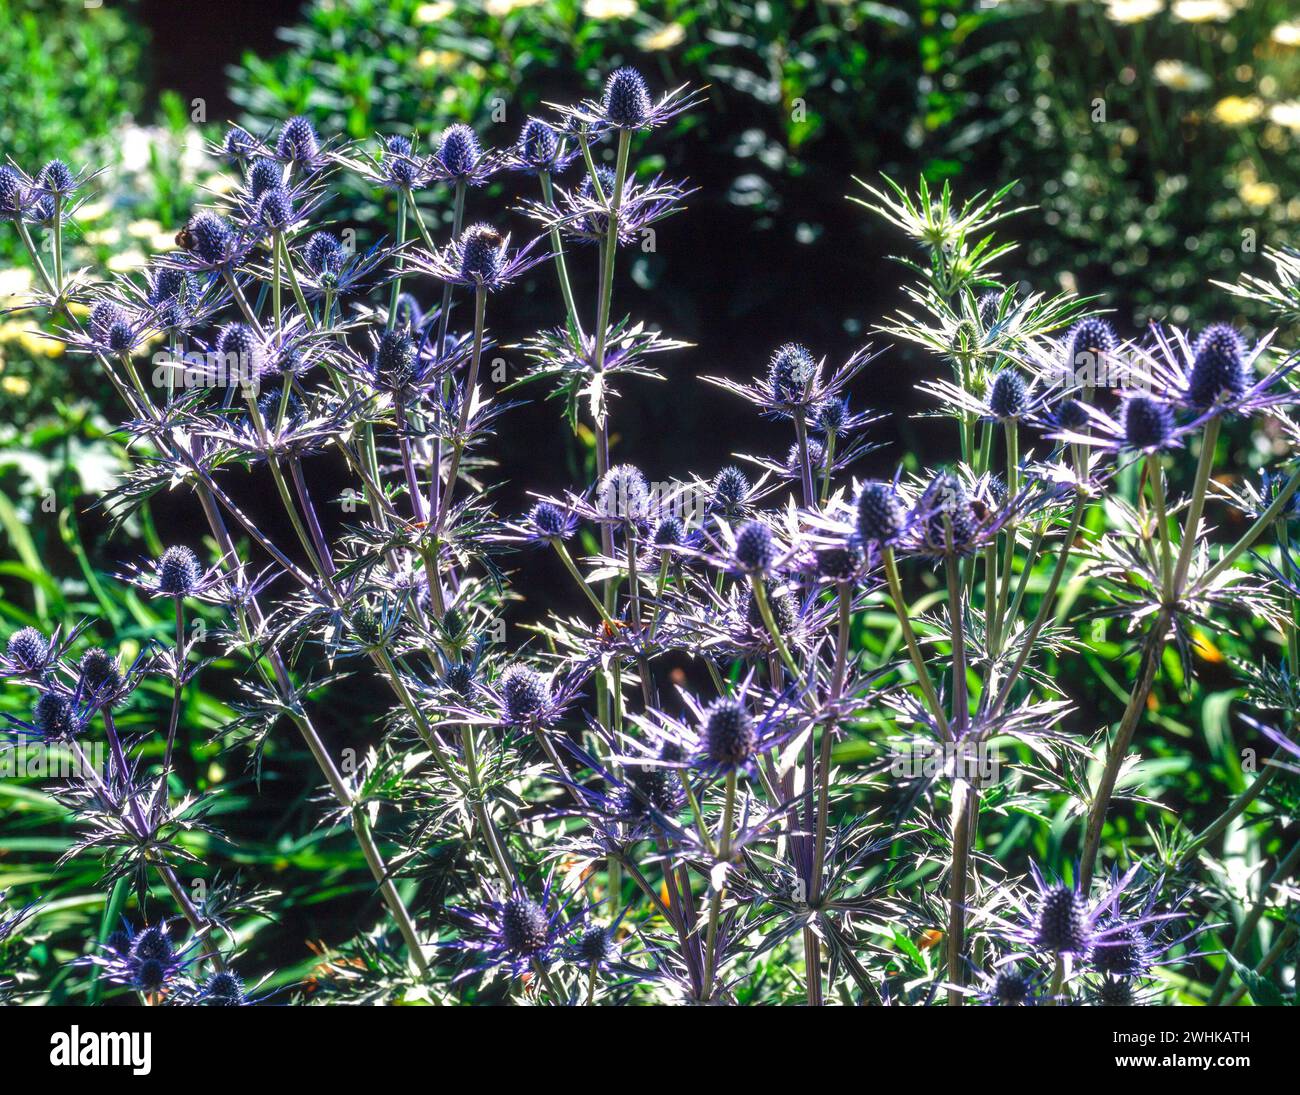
x=682 y=706
x=1218 y=367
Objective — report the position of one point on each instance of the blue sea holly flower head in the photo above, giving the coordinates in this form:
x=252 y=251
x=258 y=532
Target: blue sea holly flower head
x=547 y=522
x=539 y=149
x=402 y=167
x=223 y=989
x=880 y=514
x=238 y=145
x=480 y=258
x=797 y=383
x=1142 y=424
x=512 y=934
x=626 y=103
x=264 y=175
x=623 y=496
x=148 y=962
x=210 y=242
x=955 y=517
x=177 y=572
x=298 y=145
x=1214 y=375
x=460 y=159
x=729 y=733
x=27 y=652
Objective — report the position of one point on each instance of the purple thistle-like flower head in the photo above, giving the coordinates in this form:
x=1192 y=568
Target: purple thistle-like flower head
x=168 y=284
x=238 y=143
x=324 y=254
x=1063 y=926
x=525 y=928
x=626 y=102
x=946 y=509
x=459 y=678
x=482 y=252
x=401 y=168
x=1122 y=950
x=728 y=733
x=101 y=676
x=670 y=532
x=53 y=717
x=880 y=513
x=1090 y=341
x=1070 y=415
x=395 y=358
x=784 y=613
x=459 y=151
x=28 y=650
x=104 y=316
x=624 y=494
x=1218 y=367
x=264 y=175
x=223 y=989
x=210 y=237
x=1114 y=992
x=13 y=191
x=179 y=572
x=831 y=415
x=239 y=346
x=730 y=486
x=56 y=178
x=791 y=373
x=275 y=210
x=538 y=144
x=297 y=142
x=1148 y=423
x=755 y=548
x=524 y=692
x=1008 y=397
x=548 y=520
x=1010 y=988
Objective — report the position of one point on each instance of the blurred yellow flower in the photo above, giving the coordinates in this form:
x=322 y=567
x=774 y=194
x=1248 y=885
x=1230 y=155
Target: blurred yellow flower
x=609 y=9
x=16 y=385
x=499 y=8
x=15 y=287
x=1287 y=114
x=437 y=58
x=1258 y=195
x=124 y=261
x=1202 y=11
x=434 y=13
x=105 y=237
x=664 y=38
x=1181 y=76
x=1234 y=110
x=1133 y=11
x=92 y=211
x=143 y=229
x=1287 y=34
x=39 y=345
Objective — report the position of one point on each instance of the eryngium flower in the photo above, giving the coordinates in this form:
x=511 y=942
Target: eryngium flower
x=1008 y=398
x=626 y=101
x=1219 y=366
x=264 y=175
x=401 y=167
x=101 y=676
x=1123 y=952
x=550 y=521
x=623 y=494
x=524 y=693
x=755 y=549
x=394 y=359
x=525 y=929
x=461 y=159
x=13 y=191
x=1148 y=423
x=539 y=149
x=275 y=210
x=791 y=373
x=728 y=733
x=28 y=650
x=480 y=258
x=1010 y=988
x=482 y=251
x=179 y=572
x=297 y=142
x=56 y=178
x=211 y=242
x=880 y=513
x=53 y=717
x=1090 y=341
x=784 y=613
x=223 y=989
x=324 y=254
x=1063 y=925
x=730 y=486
